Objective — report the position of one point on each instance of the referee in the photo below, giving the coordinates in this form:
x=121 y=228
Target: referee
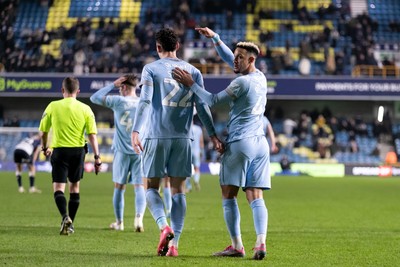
x=69 y=119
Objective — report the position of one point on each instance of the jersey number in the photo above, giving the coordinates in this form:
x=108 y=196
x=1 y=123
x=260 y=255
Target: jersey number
x=183 y=102
x=258 y=107
x=126 y=121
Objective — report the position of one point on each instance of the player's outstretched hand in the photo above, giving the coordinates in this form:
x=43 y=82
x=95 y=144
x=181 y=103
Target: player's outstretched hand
x=207 y=32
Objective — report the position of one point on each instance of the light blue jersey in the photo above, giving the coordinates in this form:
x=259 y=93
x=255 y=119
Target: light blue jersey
x=247 y=96
x=245 y=162
x=124 y=109
x=166 y=105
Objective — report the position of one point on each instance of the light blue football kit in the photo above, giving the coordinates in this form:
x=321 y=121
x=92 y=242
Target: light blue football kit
x=167 y=109
x=126 y=163
x=245 y=162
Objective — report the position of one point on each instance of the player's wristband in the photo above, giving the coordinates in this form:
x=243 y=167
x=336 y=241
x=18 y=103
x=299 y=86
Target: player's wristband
x=97 y=156
x=215 y=38
x=44 y=148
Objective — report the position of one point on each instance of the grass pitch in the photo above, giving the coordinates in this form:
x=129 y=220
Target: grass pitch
x=312 y=222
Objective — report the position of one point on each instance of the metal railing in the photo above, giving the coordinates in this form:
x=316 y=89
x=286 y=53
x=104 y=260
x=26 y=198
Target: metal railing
x=375 y=71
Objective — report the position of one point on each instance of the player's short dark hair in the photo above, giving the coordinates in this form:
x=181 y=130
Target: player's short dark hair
x=131 y=80
x=249 y=47
x=71 y=84
x=167 y=38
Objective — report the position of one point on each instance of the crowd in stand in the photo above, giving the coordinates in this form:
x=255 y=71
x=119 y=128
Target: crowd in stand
x=103 y=50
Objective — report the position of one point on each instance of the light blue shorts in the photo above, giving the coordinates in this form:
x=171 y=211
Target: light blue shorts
x=127 y=168
x=162 y=156
x=245 y=163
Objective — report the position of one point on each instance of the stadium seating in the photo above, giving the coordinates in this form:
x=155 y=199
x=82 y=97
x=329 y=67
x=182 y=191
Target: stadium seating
x=284 y=25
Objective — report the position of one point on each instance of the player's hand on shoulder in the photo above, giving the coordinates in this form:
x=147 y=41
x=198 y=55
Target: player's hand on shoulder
x=182 y=76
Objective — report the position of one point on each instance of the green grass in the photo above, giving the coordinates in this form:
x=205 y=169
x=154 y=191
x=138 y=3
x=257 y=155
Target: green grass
x=312 y=222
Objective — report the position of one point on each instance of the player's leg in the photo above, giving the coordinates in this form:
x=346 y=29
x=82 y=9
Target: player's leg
x=257 y=180
x=178 y=212
x=119 y=206
x=120 y=173
x=181 y=152
x=18 y=154
x=140 y=194
x=196 y=170
x=188 y=184
x=32 y=172
x=167 y=195
x=18 y=175
x=232 y=220
x=154 y=164
x=60 y=162
x=140 y=207
x=232 y=176
x=156 y=207
x=76 y=158
x=260 y=217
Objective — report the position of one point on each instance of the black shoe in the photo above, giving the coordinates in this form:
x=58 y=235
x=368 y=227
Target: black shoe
x=65 y=224
x=71 y=229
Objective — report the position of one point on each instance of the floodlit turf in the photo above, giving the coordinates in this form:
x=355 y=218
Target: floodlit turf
x=312 y=222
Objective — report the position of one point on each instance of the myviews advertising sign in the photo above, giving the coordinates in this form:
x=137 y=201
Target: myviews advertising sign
x=48 y=84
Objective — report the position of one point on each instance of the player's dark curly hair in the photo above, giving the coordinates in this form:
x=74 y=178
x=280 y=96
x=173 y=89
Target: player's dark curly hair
x=131 y=80
x=167 y=38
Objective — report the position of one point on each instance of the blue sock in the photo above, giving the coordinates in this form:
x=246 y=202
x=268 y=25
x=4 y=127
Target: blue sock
x=196 y=177
x=260 y=216
x=156 y=207
x=232 y=216
x=178 y=213
x=140 y=200
x=119 y=204
x=167 y=199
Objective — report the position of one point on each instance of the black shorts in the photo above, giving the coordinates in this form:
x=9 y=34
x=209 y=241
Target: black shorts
x=67 y=162
x=20 y=156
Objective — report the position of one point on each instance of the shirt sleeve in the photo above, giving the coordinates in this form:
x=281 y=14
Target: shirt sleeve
x=45 y=122
x=100 y=96
x=90 y=122
x=146 y=97
x=209 y=98
x=225 y=53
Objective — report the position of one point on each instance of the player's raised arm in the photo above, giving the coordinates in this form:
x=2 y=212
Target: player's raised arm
x=222 y=49
x=99 y=97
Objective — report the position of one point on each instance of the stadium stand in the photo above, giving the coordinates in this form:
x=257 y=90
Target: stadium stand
x=116 y=36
